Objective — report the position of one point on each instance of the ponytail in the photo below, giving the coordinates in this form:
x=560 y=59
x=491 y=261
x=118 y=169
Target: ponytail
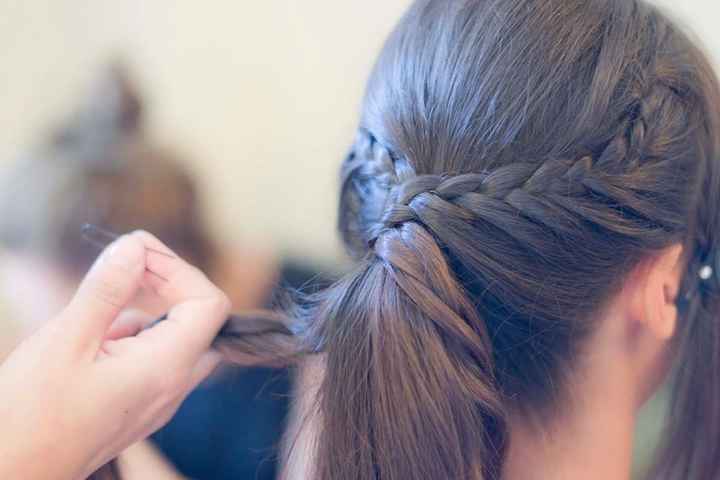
x=407 y=390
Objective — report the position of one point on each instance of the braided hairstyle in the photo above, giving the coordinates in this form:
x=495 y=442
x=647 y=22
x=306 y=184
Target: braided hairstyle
x=515 y=161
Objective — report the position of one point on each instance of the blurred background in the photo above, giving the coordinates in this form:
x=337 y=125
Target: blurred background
x=256 y=100
x=260 y=97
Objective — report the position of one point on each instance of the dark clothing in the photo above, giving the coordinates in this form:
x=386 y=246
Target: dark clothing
x=230 y=427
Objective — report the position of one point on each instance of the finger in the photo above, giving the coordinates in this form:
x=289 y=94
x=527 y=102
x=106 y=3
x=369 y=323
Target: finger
x=114 y=348
x=107 y=288
x=207 y=364
x=189 y=330
x=153 y=243
x=199 y=306
x=169 y=275
x=200 y=309
x=129 y=323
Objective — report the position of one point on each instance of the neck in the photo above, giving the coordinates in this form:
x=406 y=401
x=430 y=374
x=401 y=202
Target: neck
x=589 y=437
x=597 y=445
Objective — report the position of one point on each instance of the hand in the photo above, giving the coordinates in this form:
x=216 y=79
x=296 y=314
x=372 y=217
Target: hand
x=81 y=390
x=142 y=461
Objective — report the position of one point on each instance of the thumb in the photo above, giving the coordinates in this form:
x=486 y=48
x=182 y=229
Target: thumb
x=105 y=291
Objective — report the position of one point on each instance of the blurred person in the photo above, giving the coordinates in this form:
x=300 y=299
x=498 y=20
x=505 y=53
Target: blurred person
x=98 y=167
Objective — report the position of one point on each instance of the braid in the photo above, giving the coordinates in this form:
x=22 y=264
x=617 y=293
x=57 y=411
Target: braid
x=607 y=193
x=612 y=189
x=419 y=268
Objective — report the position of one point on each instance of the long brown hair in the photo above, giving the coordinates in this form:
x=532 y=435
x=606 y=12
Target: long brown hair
x=515 y=160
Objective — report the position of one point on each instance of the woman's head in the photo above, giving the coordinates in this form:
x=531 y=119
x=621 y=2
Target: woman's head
x=547 y=148
x=97 y=167
x=519 y=165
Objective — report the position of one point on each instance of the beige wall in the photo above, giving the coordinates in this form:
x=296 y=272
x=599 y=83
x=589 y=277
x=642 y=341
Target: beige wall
x=261 y=94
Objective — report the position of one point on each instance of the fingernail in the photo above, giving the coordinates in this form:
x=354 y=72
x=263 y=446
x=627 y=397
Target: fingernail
x=123 y=253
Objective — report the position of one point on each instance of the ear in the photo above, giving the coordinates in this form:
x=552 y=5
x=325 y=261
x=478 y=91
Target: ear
x=662 y=276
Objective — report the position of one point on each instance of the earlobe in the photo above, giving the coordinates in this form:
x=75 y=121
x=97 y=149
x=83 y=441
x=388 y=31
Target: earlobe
x=666 y=275
x=668 y=320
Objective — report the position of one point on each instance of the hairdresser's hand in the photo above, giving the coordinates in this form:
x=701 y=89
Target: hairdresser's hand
x=79 y=391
